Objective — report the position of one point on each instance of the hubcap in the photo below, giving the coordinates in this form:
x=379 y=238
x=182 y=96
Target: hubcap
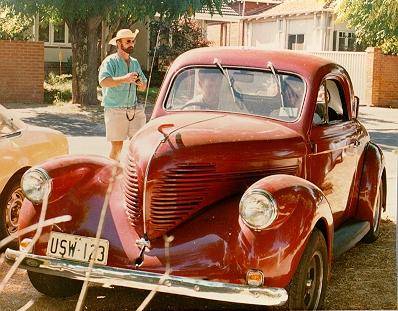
x=14 y=204
x=313 y=283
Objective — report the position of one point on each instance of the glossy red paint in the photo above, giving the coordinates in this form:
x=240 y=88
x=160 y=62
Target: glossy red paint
x=373 y=168
x=187 y=171
x=223 y=251
x=215 y=168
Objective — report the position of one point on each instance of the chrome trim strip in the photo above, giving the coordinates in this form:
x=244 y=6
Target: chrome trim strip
x=109 y=276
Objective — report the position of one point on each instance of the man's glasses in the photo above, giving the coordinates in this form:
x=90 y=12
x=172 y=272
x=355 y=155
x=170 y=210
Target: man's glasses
x=130 y=41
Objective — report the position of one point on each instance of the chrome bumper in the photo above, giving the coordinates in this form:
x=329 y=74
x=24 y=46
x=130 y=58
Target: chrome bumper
x=109 y=276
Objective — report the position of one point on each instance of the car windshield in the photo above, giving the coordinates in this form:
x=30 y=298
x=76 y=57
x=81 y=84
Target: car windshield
x=247 y=91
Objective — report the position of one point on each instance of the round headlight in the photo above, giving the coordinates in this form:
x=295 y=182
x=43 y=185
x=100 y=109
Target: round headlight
x=258 y=209
x=35 y=184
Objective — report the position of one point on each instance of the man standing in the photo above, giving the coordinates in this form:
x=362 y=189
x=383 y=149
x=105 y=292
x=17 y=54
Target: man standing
x=119 y=76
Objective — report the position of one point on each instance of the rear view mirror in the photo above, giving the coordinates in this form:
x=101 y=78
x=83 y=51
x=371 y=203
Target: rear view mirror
x=355 y=107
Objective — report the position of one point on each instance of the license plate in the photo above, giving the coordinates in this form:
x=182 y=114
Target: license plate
x=75 y=247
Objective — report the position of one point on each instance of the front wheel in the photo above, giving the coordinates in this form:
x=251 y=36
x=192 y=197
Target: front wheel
x=10 y=206
x=307 y=290
x=54 y=286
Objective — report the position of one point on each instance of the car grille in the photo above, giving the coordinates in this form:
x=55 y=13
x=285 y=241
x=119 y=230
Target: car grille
x=180 y=193
x=183 y=190
x=133 y=193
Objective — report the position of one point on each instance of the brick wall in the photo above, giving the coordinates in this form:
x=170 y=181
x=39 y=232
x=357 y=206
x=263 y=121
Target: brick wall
x=21 y=72
x=382 y=79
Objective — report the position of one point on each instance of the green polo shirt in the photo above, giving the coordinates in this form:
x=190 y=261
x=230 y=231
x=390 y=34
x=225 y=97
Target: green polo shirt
x=124 y=95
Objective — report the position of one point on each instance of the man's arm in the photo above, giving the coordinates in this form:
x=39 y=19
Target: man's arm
x=141 y=86
x=116 y=81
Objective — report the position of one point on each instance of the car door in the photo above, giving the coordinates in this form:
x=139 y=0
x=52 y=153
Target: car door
x=334 y=138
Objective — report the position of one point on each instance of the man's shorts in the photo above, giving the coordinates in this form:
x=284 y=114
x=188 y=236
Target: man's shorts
x=122 y=124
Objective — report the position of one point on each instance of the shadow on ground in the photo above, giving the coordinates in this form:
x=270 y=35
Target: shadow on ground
x=68 y=124
x=71 y=120
x=386 y=139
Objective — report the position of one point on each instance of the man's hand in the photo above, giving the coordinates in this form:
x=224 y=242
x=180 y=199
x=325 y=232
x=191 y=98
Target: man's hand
x=131 y=77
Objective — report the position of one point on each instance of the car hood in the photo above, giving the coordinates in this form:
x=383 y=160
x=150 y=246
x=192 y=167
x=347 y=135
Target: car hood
x=188 y=161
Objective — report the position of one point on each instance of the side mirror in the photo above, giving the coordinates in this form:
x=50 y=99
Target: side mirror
x=355 y=107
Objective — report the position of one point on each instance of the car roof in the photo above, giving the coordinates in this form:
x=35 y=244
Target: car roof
x=301 y=63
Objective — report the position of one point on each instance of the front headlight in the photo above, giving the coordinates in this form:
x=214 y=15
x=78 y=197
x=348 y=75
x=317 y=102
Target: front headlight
x=258 y=209
x=35 y=184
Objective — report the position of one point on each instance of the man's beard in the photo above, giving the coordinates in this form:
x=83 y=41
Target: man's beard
x=127 y=50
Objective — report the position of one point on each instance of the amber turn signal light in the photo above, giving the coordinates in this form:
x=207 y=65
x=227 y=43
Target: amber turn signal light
x=255 y=278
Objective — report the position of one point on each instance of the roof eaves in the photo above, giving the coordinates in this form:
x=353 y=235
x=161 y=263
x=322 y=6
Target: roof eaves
x=267 y=15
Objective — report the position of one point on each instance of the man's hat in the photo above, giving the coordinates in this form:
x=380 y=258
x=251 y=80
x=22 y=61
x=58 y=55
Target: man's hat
x=124 y=33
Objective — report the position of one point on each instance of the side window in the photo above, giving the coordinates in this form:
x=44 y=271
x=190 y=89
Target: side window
x=330 y=104
x=337 y=111
x=320 y=115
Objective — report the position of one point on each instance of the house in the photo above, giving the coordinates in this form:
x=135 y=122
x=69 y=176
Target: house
x=228 y=28
x=300 y=25
x=58 y=49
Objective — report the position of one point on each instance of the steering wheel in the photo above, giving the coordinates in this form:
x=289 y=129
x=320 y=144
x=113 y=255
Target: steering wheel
x=202 y=105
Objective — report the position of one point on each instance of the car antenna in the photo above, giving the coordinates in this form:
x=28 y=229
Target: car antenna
x=224 y=71
x=277 y=79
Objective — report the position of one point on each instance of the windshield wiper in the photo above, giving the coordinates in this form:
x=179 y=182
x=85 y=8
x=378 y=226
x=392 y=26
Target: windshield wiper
x=277 y=79
x=224 y=71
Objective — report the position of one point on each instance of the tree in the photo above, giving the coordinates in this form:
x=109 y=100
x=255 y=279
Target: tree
x=175 y=37
x=14 y=26
x=375 y=22
x=84 y=17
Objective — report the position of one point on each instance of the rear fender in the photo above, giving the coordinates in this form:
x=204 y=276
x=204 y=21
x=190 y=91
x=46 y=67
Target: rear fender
x=277 y=250
x=373 y=173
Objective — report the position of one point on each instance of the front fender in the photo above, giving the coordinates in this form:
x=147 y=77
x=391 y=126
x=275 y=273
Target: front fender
x=73 y=172
x=79 y=185
x=277 y=250
x=372 y=175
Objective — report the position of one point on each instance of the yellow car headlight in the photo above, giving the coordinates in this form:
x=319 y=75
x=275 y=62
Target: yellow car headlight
x=35 y=184
x=258 y=209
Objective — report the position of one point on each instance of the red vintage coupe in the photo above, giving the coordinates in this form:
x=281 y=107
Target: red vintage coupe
x=251 y=176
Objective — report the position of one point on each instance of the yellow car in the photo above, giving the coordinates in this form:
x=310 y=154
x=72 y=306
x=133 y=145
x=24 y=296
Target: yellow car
x=21 y=147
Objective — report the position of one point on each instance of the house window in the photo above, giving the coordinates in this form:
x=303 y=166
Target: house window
x=51 y=33
x=44 y=31
x=295 y=42
x=59 y=33
x=346 y=41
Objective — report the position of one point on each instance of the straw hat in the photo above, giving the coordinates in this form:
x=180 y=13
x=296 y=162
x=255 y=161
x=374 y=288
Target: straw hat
x=124 y=33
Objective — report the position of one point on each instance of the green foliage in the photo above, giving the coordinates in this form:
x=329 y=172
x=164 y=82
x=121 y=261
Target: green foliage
x=175 y=38
x=83 y=18
x=57 y=88
x=156 y=78
x=14 y=26
x=83 y=9
x=375 y=22
x=152 y=95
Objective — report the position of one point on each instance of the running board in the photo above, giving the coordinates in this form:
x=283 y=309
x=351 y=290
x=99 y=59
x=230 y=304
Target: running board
x=348 y=236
